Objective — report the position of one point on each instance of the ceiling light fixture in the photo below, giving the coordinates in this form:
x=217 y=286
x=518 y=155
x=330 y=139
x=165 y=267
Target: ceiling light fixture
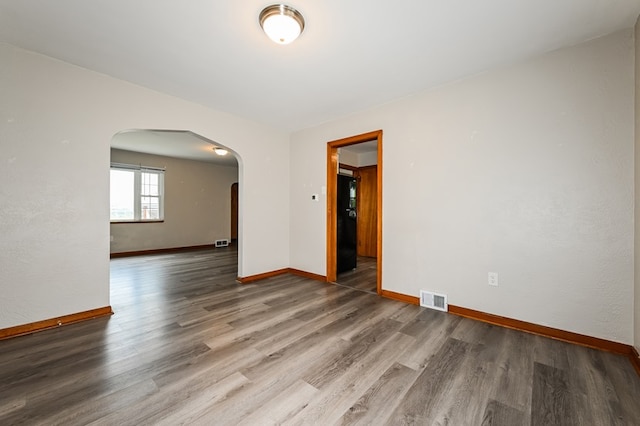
x=281 y=23
x=220 y=151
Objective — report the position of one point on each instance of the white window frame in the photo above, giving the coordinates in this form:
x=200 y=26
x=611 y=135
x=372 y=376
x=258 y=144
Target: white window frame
x=137 y=191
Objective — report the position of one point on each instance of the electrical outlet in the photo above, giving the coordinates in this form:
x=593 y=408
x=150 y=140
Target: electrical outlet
x=493 y=279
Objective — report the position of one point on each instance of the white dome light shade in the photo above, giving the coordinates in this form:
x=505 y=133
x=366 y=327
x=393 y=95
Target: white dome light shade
x=281 y=23
x=281 y=28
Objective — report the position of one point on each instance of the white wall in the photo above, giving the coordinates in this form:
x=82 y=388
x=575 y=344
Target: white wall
x=56 y=124
x=347 y=157
x=526 y=171
x=368 y=159
x=362 y=159
x=637 y=190
x=197 y=205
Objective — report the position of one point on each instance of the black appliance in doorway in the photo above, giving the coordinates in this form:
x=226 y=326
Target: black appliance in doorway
x=347 y=253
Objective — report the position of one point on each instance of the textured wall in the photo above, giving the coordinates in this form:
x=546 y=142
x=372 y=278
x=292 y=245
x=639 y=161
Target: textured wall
x=56 y=125
x=197 y=205
x=526 y=171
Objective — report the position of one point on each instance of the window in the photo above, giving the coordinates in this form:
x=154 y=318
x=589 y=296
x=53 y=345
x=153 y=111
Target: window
x=137 y=193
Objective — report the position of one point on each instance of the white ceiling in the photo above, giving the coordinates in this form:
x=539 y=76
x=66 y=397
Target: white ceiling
x=173 y=143
x=361 y=148
x=353 y=55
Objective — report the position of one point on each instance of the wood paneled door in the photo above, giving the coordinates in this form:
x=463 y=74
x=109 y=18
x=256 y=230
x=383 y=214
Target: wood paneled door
x=367 y=206
x=234 y=211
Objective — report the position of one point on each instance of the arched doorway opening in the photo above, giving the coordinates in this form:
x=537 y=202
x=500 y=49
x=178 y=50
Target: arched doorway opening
x=197 y=204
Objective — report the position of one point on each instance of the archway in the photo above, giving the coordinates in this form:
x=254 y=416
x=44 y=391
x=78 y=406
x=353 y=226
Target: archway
x=198 y=177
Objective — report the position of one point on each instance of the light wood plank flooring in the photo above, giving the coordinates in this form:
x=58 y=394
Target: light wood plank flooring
x=188 y=345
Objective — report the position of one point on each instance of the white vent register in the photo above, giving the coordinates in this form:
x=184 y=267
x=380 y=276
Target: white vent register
x=431 y=300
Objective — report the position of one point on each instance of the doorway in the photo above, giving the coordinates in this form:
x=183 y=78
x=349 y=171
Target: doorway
x=368 y=242
x=234 y=213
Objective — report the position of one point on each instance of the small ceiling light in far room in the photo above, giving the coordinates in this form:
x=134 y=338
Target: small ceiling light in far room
x=281 y=23
x=220 y=151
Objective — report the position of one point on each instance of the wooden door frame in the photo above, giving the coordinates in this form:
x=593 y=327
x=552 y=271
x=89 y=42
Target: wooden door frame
x=332 y=202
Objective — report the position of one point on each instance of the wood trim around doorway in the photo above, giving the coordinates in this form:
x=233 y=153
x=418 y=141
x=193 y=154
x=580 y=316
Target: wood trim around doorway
x=332 y=203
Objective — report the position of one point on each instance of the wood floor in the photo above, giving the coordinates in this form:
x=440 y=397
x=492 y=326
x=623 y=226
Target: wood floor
x=363 y=277
x=188 y=345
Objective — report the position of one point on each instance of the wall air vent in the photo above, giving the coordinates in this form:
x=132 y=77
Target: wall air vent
x=429 y=299
x=222 y=243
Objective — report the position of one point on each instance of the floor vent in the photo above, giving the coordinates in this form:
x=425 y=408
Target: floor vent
x=222 y=243
x=429 y=299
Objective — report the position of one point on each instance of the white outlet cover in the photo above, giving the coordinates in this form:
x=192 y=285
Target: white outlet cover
x=493 y=279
